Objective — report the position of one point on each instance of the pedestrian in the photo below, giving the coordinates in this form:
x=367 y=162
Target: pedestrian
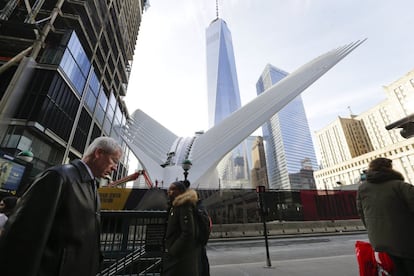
x=55 y=229
x=7 y=205
x=205 y=224
x=386 y=206
x=181 y=256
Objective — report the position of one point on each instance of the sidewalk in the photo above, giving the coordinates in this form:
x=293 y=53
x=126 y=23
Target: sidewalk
x=343 y=265
x=303 y=255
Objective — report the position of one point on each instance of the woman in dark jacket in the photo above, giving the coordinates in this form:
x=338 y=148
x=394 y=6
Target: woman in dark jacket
x=181 y=251
x=386 y=206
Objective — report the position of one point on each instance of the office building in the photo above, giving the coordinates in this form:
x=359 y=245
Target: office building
x=64 y=69
x=339 y=143
x=343 y=139
x=259 y=170
x=288 y=140
x=224 y=99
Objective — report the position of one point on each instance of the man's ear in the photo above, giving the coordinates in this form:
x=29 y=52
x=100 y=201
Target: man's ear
x=98 y=152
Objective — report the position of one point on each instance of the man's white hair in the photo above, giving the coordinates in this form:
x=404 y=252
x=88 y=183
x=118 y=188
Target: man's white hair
x=108 y=144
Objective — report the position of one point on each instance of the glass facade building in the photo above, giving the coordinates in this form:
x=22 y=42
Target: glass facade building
x=290 y=154
x=224 y=99
x=59 y=98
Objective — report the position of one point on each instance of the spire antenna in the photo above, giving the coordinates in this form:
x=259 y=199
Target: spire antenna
x=350 y=111
x=217 y=10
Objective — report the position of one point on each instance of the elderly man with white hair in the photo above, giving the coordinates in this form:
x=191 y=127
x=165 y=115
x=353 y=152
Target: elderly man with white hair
x=55 y=228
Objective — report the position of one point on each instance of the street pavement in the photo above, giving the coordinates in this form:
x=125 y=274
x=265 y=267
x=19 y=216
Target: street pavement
x=320 y=255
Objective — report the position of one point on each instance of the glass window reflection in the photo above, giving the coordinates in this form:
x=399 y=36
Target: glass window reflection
x=75 y=64
x=90 y=100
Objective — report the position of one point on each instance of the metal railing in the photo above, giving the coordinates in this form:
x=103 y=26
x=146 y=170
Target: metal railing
x=132 y=242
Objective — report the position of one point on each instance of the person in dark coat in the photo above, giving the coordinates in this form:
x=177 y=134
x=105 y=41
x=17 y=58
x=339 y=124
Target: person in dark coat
x=204 y=264
x=181 y=254
x=386 y=206
x=7 y=205
x=55 y=228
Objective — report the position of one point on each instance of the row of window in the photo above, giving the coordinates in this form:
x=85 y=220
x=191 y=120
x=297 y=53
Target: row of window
x=76 y=66
x=365 y=162
x=51 y=102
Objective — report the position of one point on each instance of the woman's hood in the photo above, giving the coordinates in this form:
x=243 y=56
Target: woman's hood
x=189 y=196
x=383 y=176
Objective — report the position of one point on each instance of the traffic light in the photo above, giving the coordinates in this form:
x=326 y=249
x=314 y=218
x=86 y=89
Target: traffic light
x=260 y=189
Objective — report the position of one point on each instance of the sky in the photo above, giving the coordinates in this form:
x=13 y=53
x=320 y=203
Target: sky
x=168 y=78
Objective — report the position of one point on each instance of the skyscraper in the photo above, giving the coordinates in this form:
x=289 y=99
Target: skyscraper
x=289 y=146
x=342 y=140
x=64 y=69
x=224 y=98
x=259 y=170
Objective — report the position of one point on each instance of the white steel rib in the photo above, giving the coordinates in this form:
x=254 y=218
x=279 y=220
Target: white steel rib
x=161 y=152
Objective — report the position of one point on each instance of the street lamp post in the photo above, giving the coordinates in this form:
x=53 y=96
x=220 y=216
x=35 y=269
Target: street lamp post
x=186 y=165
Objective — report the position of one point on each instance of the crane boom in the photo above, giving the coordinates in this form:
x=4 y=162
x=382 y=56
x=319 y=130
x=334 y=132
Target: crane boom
x=133 y=177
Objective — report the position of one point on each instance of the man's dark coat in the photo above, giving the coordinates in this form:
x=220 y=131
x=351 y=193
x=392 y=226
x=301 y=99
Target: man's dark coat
x=55 y=228
x=386 y=206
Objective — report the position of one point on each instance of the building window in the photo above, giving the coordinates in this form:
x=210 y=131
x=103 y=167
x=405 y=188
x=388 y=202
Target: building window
x=75 y=64
x=101 y=107
x=82 y=130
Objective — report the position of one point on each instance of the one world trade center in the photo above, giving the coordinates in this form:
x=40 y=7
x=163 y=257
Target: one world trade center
x=224 y=99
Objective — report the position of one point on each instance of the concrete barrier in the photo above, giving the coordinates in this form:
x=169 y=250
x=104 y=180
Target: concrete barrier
x=276 y=228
